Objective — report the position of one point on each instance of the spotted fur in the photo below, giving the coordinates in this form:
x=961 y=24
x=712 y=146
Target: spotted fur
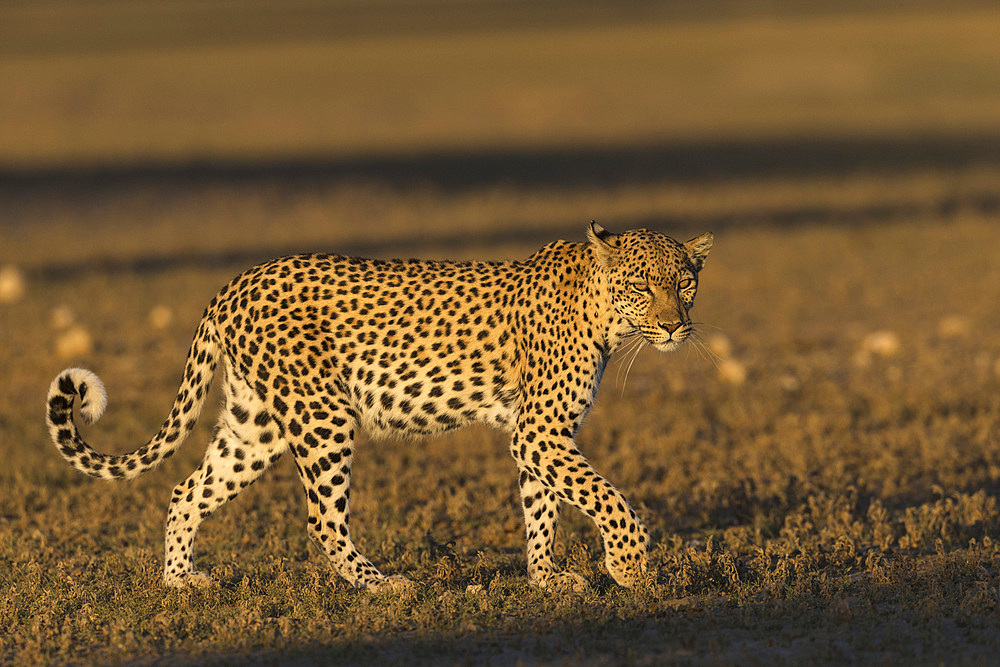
x=315 y=347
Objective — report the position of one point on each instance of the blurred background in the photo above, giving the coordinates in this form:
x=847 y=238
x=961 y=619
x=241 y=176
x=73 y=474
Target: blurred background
x=147 y=131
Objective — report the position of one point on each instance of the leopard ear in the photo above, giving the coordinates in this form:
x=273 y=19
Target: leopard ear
x=605 y=243
x=698 y=248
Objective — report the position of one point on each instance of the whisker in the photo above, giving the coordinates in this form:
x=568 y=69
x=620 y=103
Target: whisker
x=616 y=359
x=632 y=344
x=706 y=324
x=696 y=345
x=635 y=355
x=620 y=356
x=631 y=340
x=696 y=333
x=706 y=350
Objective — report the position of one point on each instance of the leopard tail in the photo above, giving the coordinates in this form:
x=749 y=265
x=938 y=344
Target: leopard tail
x=198 y=372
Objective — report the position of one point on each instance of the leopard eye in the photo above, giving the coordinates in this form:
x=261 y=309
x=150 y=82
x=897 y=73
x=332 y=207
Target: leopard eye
x=686 y=283
x=640 y=287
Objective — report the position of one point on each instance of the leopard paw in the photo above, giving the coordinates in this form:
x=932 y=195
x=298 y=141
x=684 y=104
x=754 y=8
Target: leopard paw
x=564 y=581
x=191 y=579
x=629 y=571
x=391 y=584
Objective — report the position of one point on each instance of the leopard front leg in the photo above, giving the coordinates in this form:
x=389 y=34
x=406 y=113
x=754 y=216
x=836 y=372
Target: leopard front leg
x=541 y=514
x=559 y=468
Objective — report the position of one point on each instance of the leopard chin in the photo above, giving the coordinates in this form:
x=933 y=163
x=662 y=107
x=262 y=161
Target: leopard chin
x=667 y=346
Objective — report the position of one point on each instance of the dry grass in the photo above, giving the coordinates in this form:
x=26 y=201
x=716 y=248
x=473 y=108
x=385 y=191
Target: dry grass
x=836 y=505
x=824 y=491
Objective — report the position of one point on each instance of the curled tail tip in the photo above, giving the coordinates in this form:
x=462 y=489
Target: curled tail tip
x=93 y=396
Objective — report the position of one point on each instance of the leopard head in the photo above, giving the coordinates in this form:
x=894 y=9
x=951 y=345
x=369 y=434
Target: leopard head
x=653 y=280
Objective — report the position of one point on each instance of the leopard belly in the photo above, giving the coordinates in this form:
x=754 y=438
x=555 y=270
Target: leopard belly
x=403 y=405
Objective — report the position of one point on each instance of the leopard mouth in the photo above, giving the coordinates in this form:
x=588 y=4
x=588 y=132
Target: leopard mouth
x=658 y=337
x=666 y=342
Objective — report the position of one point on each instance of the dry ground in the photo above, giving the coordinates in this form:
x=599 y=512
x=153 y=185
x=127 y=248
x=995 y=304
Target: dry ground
x=838 y=504
x=824 y=490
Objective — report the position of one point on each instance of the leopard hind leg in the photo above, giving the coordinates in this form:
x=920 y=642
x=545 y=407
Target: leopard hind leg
x=246 y=442
x=321 y=437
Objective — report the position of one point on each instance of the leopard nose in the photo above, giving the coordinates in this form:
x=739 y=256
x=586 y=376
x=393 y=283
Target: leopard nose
x=671 y=327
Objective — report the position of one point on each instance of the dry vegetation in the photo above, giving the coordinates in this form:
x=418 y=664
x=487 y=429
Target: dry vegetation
x=843 y=498
x=823 y=489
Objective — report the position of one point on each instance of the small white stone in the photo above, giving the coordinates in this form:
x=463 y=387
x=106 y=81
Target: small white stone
x=732 y=371
x=73 y=343
x=789 y=383
x=62 y=317
x=11 y=284
x=160 y=317
x=882 y=343
x=954 y=326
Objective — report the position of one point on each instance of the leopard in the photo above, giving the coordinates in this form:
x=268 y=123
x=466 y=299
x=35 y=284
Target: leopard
x=317 y=347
